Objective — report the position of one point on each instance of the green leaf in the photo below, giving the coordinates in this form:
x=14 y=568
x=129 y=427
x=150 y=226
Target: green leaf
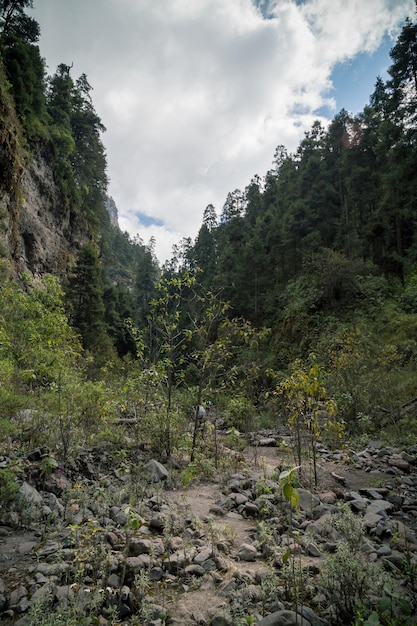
x=385 y=604
x=287 y=491
x=373 y=620
x=405 y=606
x=295 y=500
x=284 y=475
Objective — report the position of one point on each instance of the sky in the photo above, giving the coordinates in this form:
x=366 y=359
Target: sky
x=197 y=94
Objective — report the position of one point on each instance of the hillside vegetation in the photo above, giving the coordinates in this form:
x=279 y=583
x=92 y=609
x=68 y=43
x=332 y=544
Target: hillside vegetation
x=293 y=311
x=310 y=271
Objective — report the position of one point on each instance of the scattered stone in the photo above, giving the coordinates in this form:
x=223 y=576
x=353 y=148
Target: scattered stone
x=29 y=494
x=136 y=563
x=338 y=478
x=284 y=618
x=229 y=570
x=155 y=471
x=247 y=552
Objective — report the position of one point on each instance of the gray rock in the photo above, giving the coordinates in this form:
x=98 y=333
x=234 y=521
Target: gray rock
x=34 y=455
x=179 y=560
x=194 y=570
x=247 y=552
x=156 y=574
x=312 y=550
x=395 y=559
x=250 y=509
x=29 y=494
x=307 y=500
x=50 y=547
x=23 y=605
x=215 y=509
x=358 y=506
x=309 y=615
x=155 y=471
x=118 y=516
x=375 y=511
x=175 y=543
x=384 y=550
x=136 y=563
x=239 y=498
x=267 y=442
x=47 y=590
x=328 y=497
x=17 y=594
x=53 y=569
x=157 y=524
x=228 y=589
x=113 y=581
x=210 y=565
x=284 y=618
x=352 y=495
x=221 y=619
x=203 y=555
x=399 y=463
x=145 y=546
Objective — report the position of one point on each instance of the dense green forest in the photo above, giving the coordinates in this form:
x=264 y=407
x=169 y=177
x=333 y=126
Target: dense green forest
x=301 y=294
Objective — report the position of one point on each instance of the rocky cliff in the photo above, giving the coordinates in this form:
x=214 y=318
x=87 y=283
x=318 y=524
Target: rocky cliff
x=39 y=232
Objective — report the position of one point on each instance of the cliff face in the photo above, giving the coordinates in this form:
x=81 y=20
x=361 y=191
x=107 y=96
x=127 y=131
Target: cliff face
x=112 y=211
x=42 y=223
x=38 y=234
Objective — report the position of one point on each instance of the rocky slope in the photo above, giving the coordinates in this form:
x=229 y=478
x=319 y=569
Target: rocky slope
x=39 y=234
x=230 y=551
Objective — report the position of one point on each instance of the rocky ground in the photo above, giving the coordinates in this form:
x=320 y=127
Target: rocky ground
x=104 y=540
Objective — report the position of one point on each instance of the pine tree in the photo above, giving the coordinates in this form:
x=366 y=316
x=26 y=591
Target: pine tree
x=85 y=295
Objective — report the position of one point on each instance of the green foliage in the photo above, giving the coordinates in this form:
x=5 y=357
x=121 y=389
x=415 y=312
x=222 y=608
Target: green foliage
x=240 y=413
x=47 y=465
x=77 y=149
x=85 y=294
x=289 y=481
x=310 y=412
x=347 y=577
x=8 y=488
x=367 y=373
x=316 y=258
x=37 y=341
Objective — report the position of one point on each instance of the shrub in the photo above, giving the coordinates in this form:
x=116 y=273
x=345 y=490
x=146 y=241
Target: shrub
x=346 y=576
x=8 y=488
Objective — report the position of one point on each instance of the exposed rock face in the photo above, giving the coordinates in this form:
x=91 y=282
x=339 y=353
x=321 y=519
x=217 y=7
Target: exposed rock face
x=39 y=232
x=46 y=237
x=112 y=211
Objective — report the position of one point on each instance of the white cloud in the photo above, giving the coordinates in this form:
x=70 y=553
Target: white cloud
x=196 y=94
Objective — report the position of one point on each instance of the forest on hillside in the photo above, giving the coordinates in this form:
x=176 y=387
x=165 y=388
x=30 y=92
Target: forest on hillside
x=289 y=324
x=301 y=295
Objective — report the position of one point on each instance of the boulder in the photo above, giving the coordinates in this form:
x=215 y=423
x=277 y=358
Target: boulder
x=155 y=471
x=284 y=618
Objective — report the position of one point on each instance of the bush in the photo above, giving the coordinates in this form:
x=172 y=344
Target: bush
x=8 y=489
x=240 y=414
x=346 y=576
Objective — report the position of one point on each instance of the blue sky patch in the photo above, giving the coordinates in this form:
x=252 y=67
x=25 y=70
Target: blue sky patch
x=354 y=80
